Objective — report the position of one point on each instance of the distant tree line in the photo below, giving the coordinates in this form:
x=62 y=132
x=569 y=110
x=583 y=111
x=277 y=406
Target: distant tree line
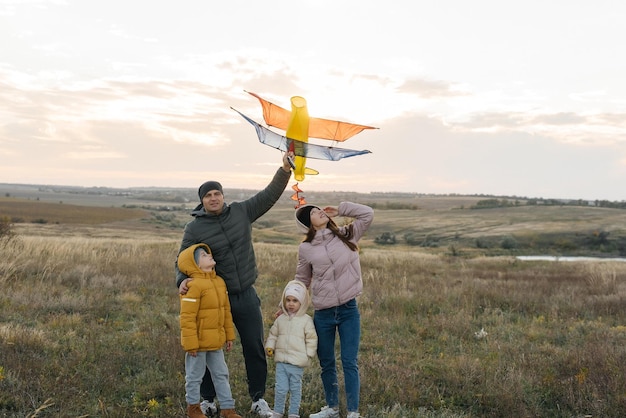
x=392 y=206
x=593 y=242
x=503 y=203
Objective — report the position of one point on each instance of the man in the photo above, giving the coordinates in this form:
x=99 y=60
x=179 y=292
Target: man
x=227 y=230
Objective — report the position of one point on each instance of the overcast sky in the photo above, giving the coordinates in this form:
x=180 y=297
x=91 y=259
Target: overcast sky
x=524 y=98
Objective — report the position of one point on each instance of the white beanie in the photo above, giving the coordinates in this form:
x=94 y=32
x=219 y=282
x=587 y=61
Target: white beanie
x=296 y=290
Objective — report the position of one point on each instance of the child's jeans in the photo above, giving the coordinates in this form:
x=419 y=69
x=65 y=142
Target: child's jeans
x=194 y=370
x=288 y=380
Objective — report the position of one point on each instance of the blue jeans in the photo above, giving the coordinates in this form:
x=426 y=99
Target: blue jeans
x=195 y=368
x=288 y=380
x=345 y=319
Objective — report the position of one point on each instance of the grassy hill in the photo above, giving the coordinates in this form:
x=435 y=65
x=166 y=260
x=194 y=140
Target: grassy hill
x=453 y=325
x=458 y=225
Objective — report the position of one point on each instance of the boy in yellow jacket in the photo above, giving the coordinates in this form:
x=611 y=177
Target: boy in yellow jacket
x=206 y=325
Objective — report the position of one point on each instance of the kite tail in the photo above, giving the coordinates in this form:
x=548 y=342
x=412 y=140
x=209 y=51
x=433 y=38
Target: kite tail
x=296 y=196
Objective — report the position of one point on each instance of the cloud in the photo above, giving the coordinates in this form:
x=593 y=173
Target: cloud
x=113 y=98
x=430 y=89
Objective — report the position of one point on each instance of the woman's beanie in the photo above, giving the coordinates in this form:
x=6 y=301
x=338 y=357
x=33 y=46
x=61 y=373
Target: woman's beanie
x=207 y=187
x=303 y=217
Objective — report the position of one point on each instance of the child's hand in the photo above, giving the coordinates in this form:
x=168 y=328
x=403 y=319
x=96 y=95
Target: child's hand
x=229 y=345
x=269 y=351
x=192 y=353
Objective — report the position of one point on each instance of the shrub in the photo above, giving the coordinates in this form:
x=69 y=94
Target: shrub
x=6 y=229
x=509 y=243
x=386 y=238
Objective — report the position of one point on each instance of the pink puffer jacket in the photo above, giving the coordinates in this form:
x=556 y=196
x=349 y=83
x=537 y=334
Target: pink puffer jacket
x=328 y=267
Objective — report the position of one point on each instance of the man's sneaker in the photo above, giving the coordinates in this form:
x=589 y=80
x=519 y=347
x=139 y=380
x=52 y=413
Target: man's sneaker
x=261 y=408
x=326 y=412
x=354 y=415
x=208 y=408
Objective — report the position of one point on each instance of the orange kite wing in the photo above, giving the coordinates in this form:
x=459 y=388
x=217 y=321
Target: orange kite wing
x=333 y=130
x=274 y=115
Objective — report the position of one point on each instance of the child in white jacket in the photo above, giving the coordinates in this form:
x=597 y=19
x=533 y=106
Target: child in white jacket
x=292 y=342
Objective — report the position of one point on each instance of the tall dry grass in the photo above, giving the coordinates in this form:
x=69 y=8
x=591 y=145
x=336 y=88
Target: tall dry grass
x=89 y=327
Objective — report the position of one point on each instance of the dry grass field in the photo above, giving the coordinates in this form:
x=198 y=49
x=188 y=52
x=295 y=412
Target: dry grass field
x=89 y=326
x=29 y=211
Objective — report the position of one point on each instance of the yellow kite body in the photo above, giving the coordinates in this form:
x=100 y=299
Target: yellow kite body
x=298 y=129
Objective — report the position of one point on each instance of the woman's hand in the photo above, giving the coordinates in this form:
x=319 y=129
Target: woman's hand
x=331 y=211
x=278 y=313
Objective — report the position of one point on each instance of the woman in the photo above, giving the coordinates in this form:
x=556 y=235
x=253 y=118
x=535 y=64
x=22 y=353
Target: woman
x=328 y=264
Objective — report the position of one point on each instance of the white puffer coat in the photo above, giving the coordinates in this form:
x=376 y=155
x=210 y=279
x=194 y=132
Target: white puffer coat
x=293 y=338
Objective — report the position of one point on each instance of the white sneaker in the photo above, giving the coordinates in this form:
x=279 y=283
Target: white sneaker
x=208 y=408
x=261 y=408
x=354 y=415
x=326 y=412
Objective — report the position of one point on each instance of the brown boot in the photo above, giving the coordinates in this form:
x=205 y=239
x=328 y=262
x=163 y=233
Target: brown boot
x=229 y=413
x=194 y=411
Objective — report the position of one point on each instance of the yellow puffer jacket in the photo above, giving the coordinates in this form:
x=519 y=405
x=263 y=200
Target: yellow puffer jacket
x=205 y=319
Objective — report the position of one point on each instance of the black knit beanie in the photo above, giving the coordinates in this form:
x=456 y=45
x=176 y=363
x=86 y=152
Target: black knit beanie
x=303 y=216
x=207 y=187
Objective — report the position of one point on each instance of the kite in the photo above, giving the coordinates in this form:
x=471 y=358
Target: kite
x=303 y=149
x=298 y=127
x=334 y=130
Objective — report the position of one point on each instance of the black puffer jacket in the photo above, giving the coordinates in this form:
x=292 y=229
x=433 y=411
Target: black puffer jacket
x=229 y=234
